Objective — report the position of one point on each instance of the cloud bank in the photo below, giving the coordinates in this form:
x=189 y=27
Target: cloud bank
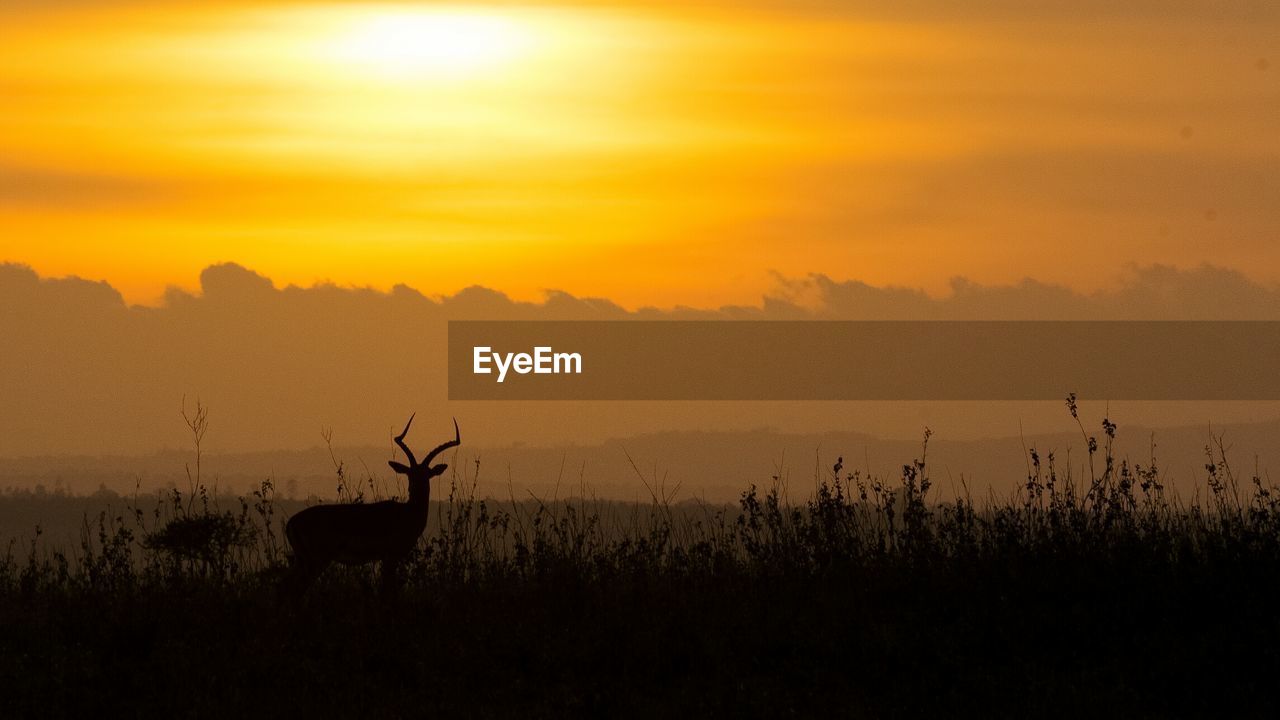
x=83 y=371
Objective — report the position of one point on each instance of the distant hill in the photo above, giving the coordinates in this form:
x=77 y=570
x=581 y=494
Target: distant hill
x=716 y=466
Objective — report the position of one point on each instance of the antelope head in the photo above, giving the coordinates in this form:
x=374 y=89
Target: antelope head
x=420 y=473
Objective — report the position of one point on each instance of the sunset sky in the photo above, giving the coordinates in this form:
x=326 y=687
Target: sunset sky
x=646 y=152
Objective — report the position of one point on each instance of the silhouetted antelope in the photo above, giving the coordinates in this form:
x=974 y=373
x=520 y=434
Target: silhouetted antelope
x=357 y=533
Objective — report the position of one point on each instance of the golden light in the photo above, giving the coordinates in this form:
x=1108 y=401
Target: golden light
x=448 y=43
x=300 y=137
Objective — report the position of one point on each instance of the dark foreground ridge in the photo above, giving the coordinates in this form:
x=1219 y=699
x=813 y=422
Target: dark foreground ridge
x=1094 y=595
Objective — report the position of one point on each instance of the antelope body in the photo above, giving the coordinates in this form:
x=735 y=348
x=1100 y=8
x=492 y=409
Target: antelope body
x=357 y=533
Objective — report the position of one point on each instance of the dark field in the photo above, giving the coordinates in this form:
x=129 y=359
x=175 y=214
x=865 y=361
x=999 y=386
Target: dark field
x=1093 y=594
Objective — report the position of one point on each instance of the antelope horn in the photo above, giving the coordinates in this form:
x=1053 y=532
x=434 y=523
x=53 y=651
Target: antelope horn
x=455 y=442
x=400 y=441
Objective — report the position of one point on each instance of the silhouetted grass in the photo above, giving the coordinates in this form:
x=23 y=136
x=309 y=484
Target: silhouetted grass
x=1093 y=593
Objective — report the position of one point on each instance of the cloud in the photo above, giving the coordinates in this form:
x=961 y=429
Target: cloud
x=234 y=283
x=278 y=363
x=23 y=291
x=1154 y=292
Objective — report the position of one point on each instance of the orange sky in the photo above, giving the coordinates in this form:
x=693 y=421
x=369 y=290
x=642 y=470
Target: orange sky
x=640 y=152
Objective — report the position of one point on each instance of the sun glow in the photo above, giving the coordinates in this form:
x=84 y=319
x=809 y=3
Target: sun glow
x=611 y=148
x=401 y=43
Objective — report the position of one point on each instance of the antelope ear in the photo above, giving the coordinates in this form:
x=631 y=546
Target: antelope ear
x=398 y=467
